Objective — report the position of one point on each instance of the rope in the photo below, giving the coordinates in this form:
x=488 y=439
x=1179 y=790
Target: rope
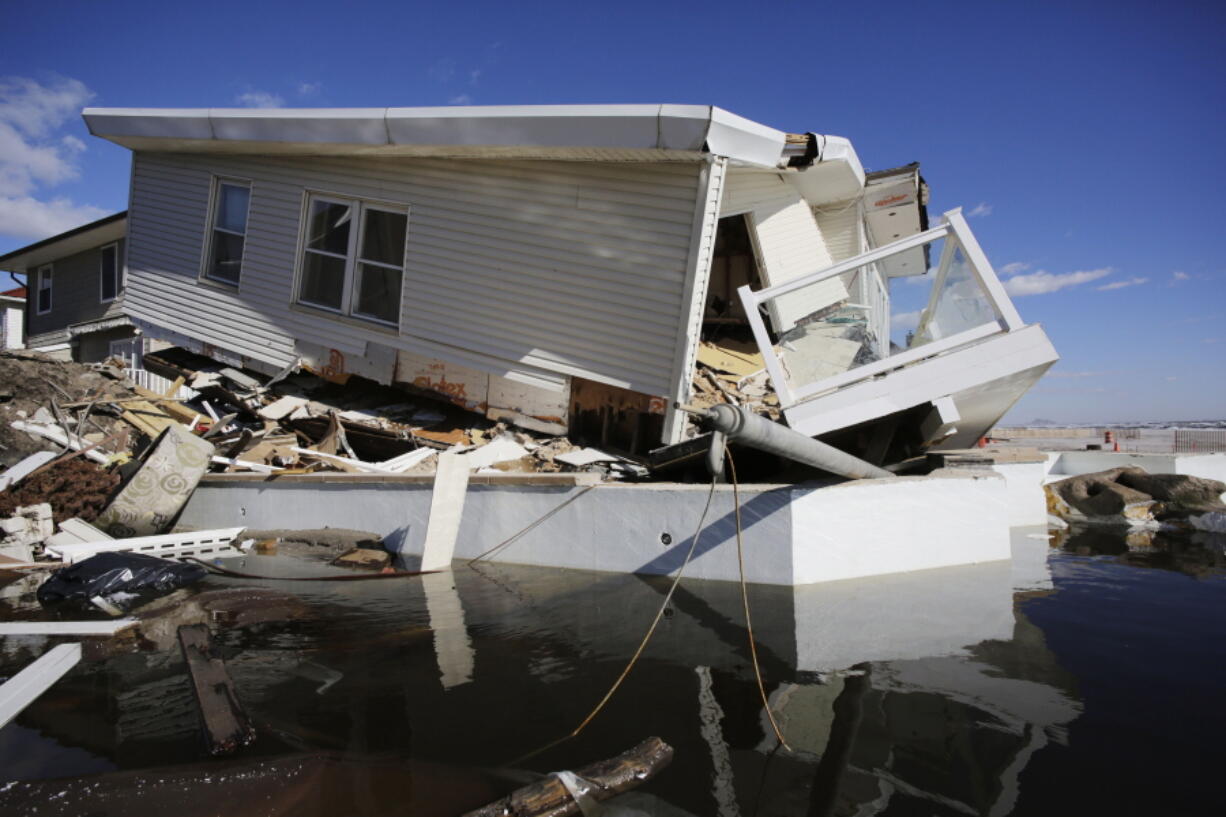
x=642 y=644
x=740 y=561
x=513 y=537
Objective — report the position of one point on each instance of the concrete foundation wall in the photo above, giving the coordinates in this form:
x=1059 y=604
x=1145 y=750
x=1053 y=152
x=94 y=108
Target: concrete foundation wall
x=791 y=534
x=1061 y=464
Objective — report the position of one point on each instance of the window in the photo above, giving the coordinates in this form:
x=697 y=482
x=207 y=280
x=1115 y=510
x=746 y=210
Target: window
x=44 y=290
x=108 y=272
x=353 y=258
x=227 y=231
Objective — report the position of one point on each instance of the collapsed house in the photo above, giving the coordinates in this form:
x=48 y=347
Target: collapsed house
x=562 y=266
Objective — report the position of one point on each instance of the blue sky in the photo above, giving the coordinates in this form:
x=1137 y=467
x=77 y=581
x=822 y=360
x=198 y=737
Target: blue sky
x=1086 y=139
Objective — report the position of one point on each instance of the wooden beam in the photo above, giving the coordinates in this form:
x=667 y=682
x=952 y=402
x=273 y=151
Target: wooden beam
x=601 y=780
x=226 y=725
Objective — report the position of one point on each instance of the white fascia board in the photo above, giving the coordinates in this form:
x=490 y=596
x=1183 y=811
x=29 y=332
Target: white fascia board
x=835 y=176
x=353 y=126
x=166 y=123
x=744 y=140
x=677 y=129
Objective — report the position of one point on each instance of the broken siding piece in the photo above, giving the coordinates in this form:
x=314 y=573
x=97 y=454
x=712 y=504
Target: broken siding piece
x=23 y=688
x=283 y=407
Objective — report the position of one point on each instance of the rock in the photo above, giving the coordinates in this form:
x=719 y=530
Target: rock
x=1179 y=493
x=1133 y=496
x=364 y=558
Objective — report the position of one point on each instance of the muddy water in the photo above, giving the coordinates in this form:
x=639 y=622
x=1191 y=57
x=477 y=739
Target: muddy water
x=1085 y=678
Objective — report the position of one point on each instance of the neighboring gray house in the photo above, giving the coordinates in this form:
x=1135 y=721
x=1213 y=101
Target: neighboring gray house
x=562 y=264
x=74 y=284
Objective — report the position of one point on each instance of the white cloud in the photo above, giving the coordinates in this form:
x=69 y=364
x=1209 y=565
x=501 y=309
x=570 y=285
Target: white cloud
x=1131 y=282
x=473 y=76
x=905 y=320
x=1178 y=275
x=1014 y=268
x=1042 y=282
x=980 y=209
x=309 y=88
x=33 y=155
x=461 y=99
x=25 y=217
x=259 y=99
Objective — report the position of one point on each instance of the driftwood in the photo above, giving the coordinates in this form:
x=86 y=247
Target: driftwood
x=226 y=726
x=548 y=797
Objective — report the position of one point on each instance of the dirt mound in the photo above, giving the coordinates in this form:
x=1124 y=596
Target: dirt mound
x=76 y=487
x=30 y=381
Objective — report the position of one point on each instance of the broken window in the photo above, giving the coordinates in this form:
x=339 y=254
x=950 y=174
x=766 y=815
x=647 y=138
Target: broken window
x=44 y=290
x=228 y=231
x=353 y=258
x=108 y=272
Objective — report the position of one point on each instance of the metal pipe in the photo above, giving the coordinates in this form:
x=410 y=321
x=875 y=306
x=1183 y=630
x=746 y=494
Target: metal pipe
x=739 y=425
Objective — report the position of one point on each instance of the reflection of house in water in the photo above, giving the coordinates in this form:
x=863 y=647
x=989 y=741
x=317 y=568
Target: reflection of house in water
x=952 y=693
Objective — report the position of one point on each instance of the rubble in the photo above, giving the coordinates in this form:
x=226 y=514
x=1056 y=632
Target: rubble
x=99 y=448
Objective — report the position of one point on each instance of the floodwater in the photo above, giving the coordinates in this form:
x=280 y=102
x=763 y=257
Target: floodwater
x=1085 y=678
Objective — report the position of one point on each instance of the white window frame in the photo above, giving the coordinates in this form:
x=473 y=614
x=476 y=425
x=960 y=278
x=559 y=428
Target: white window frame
x=206 y=263
x=352 y=259
x=45 y=272
x=118 y=274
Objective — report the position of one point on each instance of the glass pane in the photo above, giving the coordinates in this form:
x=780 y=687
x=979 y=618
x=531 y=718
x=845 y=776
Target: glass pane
x=232 y=207
x=109 y=273
x=383 y=238
x=328 y=228
x=960 y=305
x=323 y=280
x=227 y=257
x=378 y=294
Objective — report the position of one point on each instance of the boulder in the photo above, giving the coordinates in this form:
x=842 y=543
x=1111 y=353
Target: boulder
x=1179 y=493
x=1133 y=496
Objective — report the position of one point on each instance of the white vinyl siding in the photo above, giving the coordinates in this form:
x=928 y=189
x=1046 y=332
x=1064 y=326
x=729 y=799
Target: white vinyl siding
x=569 y=267
x=787 y=240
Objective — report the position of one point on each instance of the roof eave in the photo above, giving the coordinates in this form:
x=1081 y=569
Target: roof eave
x=646 y=132
x=78 y=239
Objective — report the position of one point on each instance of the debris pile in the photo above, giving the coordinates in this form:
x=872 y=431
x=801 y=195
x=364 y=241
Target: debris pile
x=731 y=371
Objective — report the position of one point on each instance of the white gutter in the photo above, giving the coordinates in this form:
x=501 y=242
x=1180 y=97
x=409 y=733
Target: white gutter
x=658 y=132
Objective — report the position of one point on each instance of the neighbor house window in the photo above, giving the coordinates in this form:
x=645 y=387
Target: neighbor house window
x=227 y=231
x=353 y=257
x=44 y=290
x=108 y=272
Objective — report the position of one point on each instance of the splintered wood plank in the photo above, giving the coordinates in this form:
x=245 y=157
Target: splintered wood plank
x=147 y=417
x=736 y=358
x=226 y=725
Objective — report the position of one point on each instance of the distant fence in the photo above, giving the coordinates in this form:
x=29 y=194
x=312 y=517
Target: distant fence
x=1189 y=440
x=1044 y=433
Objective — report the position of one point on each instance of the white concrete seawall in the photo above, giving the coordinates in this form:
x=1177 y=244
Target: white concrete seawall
x=793 y=534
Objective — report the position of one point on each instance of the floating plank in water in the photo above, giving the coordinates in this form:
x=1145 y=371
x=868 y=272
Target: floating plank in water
x=226 y=726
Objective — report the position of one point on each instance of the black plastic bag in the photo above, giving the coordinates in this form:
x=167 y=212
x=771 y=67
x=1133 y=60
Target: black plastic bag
x=120 y=580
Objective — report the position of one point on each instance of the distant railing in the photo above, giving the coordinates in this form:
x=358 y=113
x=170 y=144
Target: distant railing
x=153 y=382
x=1199 y=440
